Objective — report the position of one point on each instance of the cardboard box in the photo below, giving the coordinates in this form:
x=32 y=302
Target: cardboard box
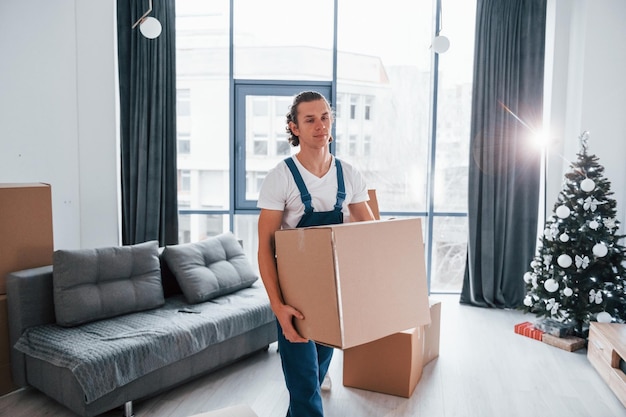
x=6 y=381
x=25 y=228
x=25 y=242
x=432 y=333
x=391 y=365
x=568 y=343
x=354 y=282
x=394 y=364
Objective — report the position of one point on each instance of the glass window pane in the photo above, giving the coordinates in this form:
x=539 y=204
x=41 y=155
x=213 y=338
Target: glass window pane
x=448 y=254
x=271 y=42
x=245 y=228
x=454 y=107
x=202 y=80
x=266 y=139
x=197 y=227
x=383 y=96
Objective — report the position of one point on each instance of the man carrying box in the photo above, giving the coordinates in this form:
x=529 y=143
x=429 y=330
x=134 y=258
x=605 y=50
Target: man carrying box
x=311 y=188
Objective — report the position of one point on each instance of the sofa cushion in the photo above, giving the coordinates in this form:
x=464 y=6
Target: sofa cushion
x=92 y=284
x=210 y=268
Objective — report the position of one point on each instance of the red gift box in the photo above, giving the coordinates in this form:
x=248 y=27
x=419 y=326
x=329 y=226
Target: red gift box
x=527 y=329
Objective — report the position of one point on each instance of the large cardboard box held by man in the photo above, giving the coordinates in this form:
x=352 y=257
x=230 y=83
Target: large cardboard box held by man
x=354 y=282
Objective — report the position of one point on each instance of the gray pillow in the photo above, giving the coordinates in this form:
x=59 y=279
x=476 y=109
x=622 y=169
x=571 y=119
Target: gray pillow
x=210 y=268
x=93 y=284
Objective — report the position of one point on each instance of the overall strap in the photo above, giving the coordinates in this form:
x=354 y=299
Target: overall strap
x=341 y=188
x=304 y=192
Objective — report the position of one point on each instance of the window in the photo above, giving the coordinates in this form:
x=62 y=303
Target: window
x=367 y=109
x=353 y=103
x=231 y=118
x=183 y=143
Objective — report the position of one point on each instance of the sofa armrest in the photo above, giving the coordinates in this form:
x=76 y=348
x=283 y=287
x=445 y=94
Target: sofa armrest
x=30 y=303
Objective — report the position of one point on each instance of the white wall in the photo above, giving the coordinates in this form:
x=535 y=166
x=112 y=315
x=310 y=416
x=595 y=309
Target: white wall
x=58 y=106
x=586 y=88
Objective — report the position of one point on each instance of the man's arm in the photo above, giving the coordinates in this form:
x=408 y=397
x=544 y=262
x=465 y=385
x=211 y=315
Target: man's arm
x=360 y=212
x=269 y=223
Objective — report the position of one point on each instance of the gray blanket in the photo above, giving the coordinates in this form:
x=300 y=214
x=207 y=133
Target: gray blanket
x=106 y=354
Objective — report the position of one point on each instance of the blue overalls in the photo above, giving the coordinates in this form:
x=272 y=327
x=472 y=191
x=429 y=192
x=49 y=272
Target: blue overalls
x=305 y=364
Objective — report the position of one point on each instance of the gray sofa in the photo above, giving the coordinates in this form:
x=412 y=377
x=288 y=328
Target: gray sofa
x=102 y=328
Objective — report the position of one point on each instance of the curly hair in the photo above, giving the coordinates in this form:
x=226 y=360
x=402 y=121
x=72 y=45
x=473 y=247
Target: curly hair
x=292 y=115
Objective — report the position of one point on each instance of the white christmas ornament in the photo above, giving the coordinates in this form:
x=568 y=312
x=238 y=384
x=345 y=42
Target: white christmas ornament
x=587 y=185
x=595 y=296
x=528 y=301
x=564 y=237
x=563 y=212
x=552 y=306
x=551 y=285
x=582 y=261
x=594 y=225
x=604 y=317
x=568 y=292
x=528 y=277
x=564 y=261
x=600 y=250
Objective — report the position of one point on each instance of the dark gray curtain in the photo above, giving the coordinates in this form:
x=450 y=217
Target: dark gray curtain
x=147 y=77
x=505 y=166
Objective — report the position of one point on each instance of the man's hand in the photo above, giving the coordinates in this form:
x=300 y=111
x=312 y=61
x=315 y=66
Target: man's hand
x=285 y=315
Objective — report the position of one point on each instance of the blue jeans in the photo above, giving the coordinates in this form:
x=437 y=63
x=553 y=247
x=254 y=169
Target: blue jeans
x=304 y=366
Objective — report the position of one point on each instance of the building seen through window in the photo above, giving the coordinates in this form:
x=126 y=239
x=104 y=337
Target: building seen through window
x=231 y=119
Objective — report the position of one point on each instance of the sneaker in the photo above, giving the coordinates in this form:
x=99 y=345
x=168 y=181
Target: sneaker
x=327 y=383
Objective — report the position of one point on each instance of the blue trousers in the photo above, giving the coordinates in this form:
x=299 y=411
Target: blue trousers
x=304 y=366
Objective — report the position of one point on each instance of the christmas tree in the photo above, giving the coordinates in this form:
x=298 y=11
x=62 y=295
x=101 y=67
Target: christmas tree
x=577 y=275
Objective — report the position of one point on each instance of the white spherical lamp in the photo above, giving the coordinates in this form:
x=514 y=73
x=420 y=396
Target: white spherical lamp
x=150 y=28
x=440 y=44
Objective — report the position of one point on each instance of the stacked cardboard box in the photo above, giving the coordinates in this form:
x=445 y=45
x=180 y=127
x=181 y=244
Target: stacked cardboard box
x=362 y=288
x=394 y=364
x=25 y=242
x=354 y=282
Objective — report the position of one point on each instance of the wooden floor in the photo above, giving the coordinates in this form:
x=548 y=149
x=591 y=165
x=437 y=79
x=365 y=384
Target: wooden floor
x=484 y=370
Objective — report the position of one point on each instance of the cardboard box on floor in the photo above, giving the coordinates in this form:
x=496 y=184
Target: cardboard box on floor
x=354 y=282
x=25 y=242
x=432 y=332
x=394 y=364
x=25 y=228
x=391 y=365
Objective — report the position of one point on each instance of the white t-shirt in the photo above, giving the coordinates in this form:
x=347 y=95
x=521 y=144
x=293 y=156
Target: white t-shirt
x=280 y=192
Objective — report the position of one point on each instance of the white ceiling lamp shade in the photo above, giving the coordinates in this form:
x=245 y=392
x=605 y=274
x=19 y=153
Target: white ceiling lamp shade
x=441 y=44
x=149 y=27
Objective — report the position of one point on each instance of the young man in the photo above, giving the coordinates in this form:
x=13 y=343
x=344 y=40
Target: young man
x=309 y=189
